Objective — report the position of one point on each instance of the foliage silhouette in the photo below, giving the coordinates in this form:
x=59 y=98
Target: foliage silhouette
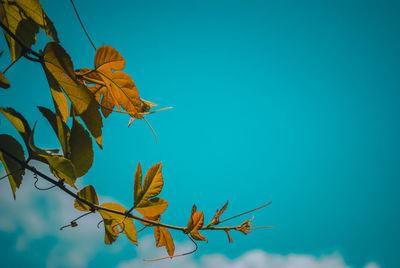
x=87 y=95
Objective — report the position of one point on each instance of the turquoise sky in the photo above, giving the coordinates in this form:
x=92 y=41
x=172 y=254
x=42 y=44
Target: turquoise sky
x=291 y=101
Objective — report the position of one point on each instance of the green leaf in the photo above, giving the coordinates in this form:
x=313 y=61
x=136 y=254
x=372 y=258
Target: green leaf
x=14 y=170
x=3 y=81
x=62 y=168
x=81 y=149
x=15 y=19
x=94 y=122
x=89 y=194
x=33 y=9
x=125 y=223
x=59 y=127
x=60 y=66
x=152 y=207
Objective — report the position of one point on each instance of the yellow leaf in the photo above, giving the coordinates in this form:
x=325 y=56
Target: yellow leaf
x=59 y=99
x=164 y=238
x=152 y=207
x=153 y=182
x=18 y=121
x=126 y=224
x=137 y=185
x=33 y=9
x=16 y=20
x=81 y=149
x=107 y=58
x=60 y=66
x=13 y=168
x=3 y=81
x=60 y=128
x=89 y=194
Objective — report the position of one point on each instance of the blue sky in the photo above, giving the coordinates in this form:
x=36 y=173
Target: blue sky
x=282 y=101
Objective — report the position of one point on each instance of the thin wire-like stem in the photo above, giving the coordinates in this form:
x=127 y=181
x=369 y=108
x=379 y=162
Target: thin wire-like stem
x=9 y=66
x=155 y=135
x=144 y=227
x=74 y=220
x=12 y=172
x=261 y=227
x=41 y=189
x=244 y=213
x=83 y=27
x=179 y=255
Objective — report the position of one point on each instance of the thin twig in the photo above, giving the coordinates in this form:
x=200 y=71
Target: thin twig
x=9 y=66
x=13 y=36
x=179 y=255
x=83 y=27
x=241 y=214
x=261 y=227
x=155 y=135
x=12 y=172
x=73 y=222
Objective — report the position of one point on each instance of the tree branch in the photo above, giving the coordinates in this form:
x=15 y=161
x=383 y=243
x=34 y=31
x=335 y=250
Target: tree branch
x=94 y=207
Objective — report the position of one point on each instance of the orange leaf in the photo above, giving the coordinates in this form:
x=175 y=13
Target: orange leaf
x=218 y=214
x=195 y=223
x=107 y=58
x=164 y=238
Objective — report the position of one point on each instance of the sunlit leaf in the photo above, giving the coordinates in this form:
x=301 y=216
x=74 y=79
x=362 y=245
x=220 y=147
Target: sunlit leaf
x=33 y=9
x=153 y=182
x=111 y=231
x=125 y=223
x=15 y=19
x=59 y=127
x=195 y=223
x=89 y=194
x=164 y=238
x=152 y=207
x=59 y=99
x=121 y=92
x=107 y=58
x=18 y=121
x=81 y=149
x=14 y=170
x=60 y=66
x=3 y=81
x=137 y=185
x=215 y=219
x=152 y=186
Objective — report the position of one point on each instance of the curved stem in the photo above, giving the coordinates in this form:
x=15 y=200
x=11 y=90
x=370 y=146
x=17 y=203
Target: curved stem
x=83 y=27
x=179 y=255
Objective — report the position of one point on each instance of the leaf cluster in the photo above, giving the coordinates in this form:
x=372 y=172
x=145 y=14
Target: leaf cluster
x=82 y=98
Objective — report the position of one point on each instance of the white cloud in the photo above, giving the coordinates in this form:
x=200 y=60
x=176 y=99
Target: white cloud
x=36 y=214
x=251 y=259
